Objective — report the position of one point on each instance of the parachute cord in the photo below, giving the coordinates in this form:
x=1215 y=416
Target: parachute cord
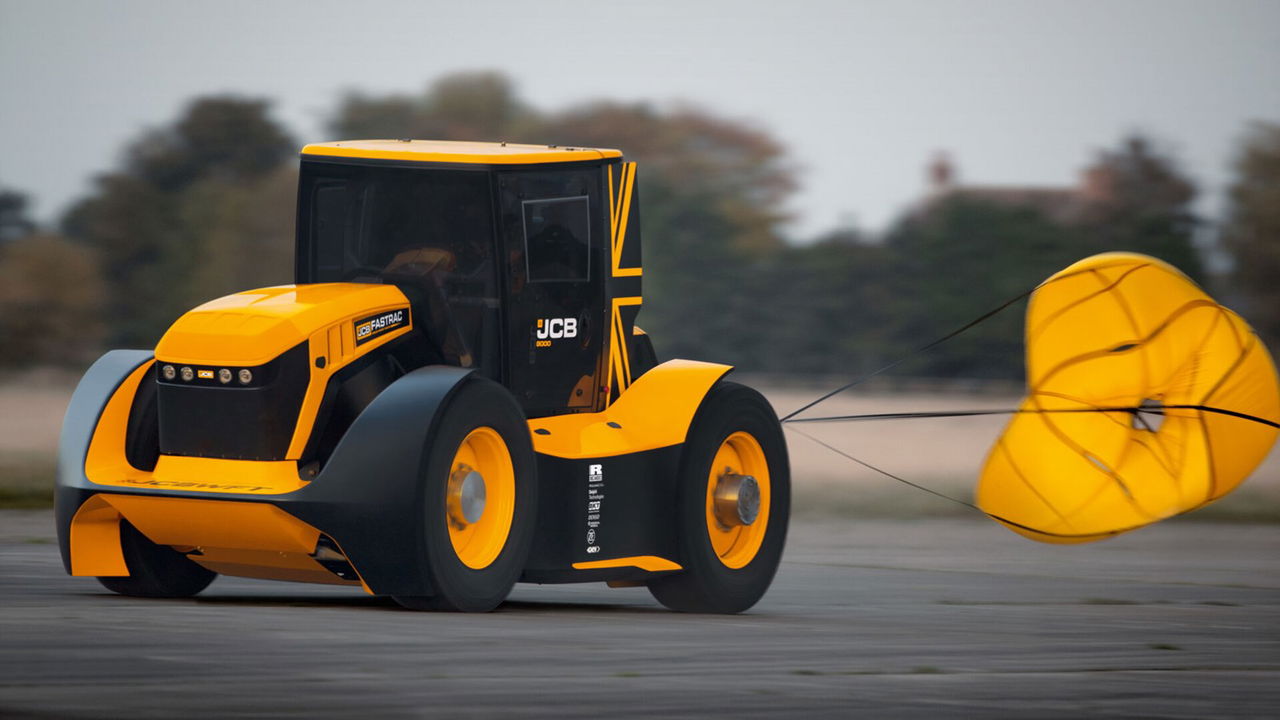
x=957 y=501
x=888 y=474
x=915 y=415
x=1229 y=413
x=922 y=349
x=1136 y=411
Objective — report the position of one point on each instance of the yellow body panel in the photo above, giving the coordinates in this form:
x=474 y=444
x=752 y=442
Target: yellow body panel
x=235 y=538
x=105 y=462
x=95 y=540
x=1116 y=331
x=654 y=412
x=254 y=327
x=652 y=563
x=448 y=151
x=268 y=565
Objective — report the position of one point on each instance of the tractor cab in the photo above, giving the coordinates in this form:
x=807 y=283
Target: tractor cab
x=505 y=252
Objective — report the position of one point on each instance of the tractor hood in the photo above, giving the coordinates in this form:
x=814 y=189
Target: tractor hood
x=256 y=326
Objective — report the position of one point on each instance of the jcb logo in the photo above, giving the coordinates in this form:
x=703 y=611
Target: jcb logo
x=555 y=328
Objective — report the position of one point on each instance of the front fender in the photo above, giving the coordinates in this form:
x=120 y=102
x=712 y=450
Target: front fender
x=100 y=383
x=368 y=495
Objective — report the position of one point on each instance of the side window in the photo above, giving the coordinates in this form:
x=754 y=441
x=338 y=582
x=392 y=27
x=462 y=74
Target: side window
x=557 y=236
x=330 y=226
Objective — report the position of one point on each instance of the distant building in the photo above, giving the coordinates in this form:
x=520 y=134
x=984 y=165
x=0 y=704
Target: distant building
x=1066 y=205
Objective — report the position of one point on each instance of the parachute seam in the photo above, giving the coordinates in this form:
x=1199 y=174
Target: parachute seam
x=1094 y=354
x=1110 y=472
x=1008 y=456
x=1123 y=302
x=1071 y=306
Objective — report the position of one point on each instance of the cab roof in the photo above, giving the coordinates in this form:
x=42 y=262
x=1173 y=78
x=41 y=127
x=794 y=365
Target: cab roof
x=450 y=151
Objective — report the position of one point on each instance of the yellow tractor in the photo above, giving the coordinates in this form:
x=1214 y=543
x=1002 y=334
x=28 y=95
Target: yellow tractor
x=452 y=397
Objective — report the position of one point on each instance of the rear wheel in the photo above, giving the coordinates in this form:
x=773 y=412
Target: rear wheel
x=734 y=504
x=478 y=501
x=156 y=571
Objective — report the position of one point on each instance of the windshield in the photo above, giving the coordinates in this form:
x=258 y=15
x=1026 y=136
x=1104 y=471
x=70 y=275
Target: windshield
x=429 y=231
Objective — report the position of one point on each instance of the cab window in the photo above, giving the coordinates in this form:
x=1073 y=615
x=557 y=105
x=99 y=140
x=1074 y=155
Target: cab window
x=557 y=236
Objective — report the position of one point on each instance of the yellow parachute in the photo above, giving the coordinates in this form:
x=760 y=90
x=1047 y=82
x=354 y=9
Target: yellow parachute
x=1145 y=399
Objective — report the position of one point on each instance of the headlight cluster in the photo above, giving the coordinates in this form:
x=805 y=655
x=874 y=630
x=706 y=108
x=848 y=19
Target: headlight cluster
x=225 y=375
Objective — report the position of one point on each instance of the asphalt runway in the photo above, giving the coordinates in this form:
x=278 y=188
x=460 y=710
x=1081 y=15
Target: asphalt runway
x=923 y=618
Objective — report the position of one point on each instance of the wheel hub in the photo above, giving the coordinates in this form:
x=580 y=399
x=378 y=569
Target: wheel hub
x=737 y=499
x=466 y=495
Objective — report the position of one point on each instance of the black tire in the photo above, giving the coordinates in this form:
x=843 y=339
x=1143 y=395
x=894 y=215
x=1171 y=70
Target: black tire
x=480 y=403
x=707 y=585
x=155 y=571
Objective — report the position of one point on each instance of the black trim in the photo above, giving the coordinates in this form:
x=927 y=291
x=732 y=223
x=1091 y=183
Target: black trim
x=142 y=434
x=350 y=390
x=637 y=496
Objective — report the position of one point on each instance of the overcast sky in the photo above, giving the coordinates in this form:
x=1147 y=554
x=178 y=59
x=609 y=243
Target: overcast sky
x=862 y=93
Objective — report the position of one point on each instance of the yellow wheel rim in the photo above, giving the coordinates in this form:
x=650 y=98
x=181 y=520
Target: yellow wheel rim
x=479 y=540
x=737 y=545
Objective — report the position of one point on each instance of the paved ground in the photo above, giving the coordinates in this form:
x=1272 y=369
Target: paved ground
x=872 y=618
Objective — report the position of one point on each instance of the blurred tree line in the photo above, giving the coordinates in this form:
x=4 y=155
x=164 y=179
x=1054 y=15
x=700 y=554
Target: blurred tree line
x=205 y=207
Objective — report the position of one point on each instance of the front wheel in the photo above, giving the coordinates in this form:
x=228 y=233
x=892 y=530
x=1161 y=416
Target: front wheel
x=733 y=507
x=155 y=571
x=478 y=501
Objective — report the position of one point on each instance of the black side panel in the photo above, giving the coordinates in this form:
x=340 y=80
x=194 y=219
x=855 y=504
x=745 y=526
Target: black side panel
x=142 y=436
x=353 y=388
x=554 y=233
x=643 y=358
x=87 y=402
x=603 y=508
x=205 y=418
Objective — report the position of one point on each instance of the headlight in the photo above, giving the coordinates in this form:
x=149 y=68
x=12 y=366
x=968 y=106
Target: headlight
x=187 y=374
x=168 y=373
x=224 y=376
x=246 y=377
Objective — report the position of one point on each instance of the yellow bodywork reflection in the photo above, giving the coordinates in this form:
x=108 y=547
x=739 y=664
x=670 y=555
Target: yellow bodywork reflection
x=654 y=412
x=456 y=151
x=1107 y=335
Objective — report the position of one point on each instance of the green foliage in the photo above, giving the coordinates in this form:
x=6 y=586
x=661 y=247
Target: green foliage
x=199 y=209
x=966 y=253
x=50 y=294
x=461 y=106
x=960 y=260
x=1145 y=206
x=14 y=221
x=1252 y=234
